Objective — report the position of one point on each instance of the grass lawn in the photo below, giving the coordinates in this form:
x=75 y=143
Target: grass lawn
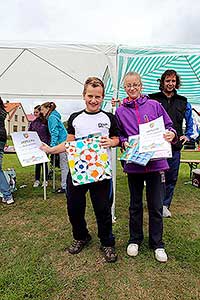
x=35 y=233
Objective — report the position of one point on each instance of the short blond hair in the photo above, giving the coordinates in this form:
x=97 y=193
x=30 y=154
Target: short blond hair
x=94 y=82
x=132 y=74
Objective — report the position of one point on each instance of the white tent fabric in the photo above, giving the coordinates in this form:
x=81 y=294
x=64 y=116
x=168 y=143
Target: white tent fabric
x=52 y=70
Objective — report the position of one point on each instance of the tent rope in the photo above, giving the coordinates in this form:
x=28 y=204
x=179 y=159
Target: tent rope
x=54 y=66
x=12 y=63
x=192 y=68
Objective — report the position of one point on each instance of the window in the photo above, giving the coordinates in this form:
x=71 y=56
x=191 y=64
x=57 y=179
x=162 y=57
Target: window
x=16 y=118
x=23 y=119
x=15 y=128
x=23 y=128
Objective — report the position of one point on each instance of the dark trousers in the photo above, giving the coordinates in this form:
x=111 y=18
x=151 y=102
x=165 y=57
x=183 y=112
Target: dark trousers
x=154 y=194
x=38 y=168
x=76 y=205
x=171 y=177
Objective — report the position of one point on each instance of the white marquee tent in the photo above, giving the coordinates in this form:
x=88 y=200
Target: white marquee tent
x=52 y=70
x=58 y=70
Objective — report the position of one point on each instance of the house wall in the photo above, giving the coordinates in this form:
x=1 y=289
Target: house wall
x=18 y=122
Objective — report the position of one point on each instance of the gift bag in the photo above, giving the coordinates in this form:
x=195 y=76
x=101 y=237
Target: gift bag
x=88 y=162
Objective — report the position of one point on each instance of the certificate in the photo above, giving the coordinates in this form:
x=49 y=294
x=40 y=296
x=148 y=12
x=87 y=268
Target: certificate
x=27 y=146
x=151 y=139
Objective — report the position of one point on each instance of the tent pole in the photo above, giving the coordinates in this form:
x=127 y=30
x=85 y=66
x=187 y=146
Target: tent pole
x=44 y=182
x=114 y=150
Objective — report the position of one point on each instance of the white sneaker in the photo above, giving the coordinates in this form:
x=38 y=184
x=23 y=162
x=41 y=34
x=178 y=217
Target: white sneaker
x=10 y=201
x=36 y=183
x=46 y=184
x=166 y=212
x=3 y=200
x=132 y=249
x=161 y=255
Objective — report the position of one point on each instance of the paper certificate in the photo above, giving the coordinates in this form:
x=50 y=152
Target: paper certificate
x=151 y=138
x=27 y=146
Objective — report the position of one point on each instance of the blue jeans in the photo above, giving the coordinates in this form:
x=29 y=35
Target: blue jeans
x=4 y=186
x=171 y=177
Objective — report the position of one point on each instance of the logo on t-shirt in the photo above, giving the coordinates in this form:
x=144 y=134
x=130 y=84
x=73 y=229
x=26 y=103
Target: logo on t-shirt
x=103 y=125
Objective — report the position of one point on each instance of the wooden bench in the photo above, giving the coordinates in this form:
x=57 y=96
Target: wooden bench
x=193 y=164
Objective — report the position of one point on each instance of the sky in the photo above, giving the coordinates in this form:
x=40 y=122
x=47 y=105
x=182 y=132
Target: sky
x=142 y=22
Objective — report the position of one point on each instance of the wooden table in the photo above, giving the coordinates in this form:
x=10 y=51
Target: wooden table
x=193 y=164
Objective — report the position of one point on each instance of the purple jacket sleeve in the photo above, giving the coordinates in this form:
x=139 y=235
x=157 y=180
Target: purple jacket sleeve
x=122 y=135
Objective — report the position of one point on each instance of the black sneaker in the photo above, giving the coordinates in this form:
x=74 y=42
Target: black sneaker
x=60 y=191
x=109 y=254
x=78 y=245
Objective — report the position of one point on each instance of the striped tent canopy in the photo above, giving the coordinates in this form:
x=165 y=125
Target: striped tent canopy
x=150 y=63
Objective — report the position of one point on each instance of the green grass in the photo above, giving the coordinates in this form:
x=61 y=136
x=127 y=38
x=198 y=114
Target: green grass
x=35 y=233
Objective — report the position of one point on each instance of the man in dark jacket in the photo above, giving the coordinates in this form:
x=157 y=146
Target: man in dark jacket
x=178 y=109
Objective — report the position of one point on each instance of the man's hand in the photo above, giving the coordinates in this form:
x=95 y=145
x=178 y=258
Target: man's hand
x=107 y=142
x=183 y=139
x=115 y=101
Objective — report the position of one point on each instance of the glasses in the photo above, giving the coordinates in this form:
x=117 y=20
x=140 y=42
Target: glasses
x=135 y=86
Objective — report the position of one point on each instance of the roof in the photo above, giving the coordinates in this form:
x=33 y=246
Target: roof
x=11 y=106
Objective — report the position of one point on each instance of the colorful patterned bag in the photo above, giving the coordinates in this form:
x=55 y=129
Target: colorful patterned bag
x=88 y=161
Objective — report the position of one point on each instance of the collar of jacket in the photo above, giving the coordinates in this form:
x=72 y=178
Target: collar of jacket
x=133 y=103
x=173 y=96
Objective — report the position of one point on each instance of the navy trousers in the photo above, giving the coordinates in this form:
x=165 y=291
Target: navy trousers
x=171 y=177
x=154 y=196
x=76 y=205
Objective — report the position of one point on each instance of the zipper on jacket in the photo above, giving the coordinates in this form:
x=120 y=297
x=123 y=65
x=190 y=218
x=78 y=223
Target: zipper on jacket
x=137 y=112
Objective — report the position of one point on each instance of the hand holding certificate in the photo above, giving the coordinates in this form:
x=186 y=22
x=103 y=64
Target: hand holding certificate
x=152 y=139
x=27 y=145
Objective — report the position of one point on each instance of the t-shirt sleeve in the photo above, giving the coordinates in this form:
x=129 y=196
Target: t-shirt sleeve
x=70 y=127
x=114 y=131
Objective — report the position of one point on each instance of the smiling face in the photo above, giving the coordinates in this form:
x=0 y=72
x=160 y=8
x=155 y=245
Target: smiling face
x=133 y=86
x=93 y=98
x=36 y=113
x=169 y=84
x=44 y=110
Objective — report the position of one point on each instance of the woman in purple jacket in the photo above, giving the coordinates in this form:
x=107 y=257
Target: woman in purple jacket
x=41 y=127
x=138 y=109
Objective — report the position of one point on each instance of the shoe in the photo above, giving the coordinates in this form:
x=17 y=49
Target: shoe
x=166 y=212
x=3 y=200
x=78 y=245
x=161 y=255
x=10 y=201
x=46 y=184
x=36 y=183
x=60 y=191
x=132 y=249
x=109 y=254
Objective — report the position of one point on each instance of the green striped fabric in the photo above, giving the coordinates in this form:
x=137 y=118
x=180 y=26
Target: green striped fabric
x=150 y=63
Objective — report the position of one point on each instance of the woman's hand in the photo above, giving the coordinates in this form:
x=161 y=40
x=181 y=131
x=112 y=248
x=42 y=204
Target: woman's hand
x=45 y=148
x=169 y=136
